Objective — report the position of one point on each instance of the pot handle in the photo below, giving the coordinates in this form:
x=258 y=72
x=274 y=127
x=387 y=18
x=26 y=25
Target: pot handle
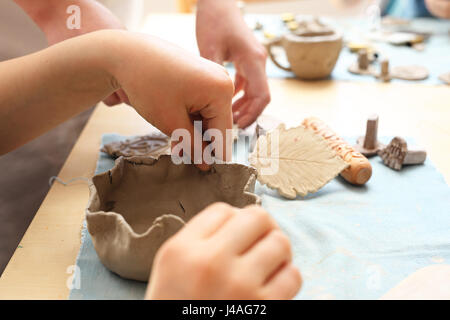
x=269 y=45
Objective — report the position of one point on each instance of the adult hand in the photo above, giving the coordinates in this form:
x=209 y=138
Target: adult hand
x=51 y=17
x=225 y=253
x=222 y=35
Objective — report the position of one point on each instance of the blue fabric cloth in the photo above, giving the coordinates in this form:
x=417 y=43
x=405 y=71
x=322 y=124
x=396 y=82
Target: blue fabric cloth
x=349 y=242
x=407 y=9
x=435 y=56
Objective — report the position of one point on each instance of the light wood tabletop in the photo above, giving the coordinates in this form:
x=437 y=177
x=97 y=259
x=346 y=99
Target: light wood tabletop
x=40 y=267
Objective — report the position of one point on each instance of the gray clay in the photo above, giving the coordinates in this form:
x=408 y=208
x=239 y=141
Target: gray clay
x=148 y=145
x=142 y=201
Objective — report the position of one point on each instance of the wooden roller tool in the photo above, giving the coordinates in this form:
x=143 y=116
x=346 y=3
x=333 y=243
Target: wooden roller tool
x=360 y=170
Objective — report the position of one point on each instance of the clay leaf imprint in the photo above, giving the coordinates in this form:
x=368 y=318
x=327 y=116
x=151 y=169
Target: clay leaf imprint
x=305 y=161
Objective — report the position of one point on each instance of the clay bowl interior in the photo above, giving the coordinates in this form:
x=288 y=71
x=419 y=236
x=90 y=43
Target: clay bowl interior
x=143 y=189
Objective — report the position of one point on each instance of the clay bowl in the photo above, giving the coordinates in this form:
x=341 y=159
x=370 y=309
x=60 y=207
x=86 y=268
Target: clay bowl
x=142 y=201
x=311 y=56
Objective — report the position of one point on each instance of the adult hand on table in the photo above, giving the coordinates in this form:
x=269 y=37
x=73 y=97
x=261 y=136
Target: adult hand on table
x=222 y=35
x=226 y=253
x=51 y=17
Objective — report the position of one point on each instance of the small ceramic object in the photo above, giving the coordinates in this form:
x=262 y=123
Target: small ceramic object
x=384 y=74
x=142 y=201
x=445 y=77
x=412 y=73
x=303 y=162
x=310 y=57
x=287 y=17
x=369 y=145
x=396 y=154
x=362 y=66
x=148 y=145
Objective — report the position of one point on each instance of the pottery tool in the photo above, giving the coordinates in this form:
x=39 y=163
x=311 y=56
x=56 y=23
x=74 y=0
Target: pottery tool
x=369 y=145
x=360 y=170
x=396 y=154
x=362 y=65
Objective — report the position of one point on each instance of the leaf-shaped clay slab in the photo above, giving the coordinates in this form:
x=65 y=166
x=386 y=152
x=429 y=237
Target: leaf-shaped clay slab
x=303 y=163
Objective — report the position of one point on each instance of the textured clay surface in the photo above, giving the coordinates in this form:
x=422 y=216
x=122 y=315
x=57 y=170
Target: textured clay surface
x=141 y=202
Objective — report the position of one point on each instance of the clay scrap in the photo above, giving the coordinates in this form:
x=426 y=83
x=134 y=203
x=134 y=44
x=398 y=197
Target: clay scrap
x=142 y=201
x=445 y=77
x=362 y=65
x=369 y=145
x=152 y=145
x=301 y=164
x=396 y=154
x=360 y=169
x=411 y=73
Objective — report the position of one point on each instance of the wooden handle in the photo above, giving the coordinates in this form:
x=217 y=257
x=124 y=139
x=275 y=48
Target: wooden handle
x=360 y=170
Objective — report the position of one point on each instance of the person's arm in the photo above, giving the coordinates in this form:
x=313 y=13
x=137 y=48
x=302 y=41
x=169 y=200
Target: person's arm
x=439 y=8
x=223 y=35
x=226 y=253
x=51 y=17
x=165 y=84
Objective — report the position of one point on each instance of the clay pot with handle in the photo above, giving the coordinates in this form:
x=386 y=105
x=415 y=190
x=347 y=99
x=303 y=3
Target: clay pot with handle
x=311 y=56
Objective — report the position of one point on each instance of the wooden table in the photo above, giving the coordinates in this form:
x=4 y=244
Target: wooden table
x=40 y=267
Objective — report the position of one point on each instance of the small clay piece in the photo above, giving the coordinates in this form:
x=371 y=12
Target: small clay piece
x=149 y=145
x=360 y=169
x=394 y=21
x=142 y=201
x=311 y=27
x=310 y=57
x=362 y=66
x=384 y=75
x=269 y=35
x=445 y=77
x=287 y=17
x=295 y=161
x=292 y=25
x=409 y=72
x=404 y=38
x=369 y=145
x=258 y=26
x=396 y=154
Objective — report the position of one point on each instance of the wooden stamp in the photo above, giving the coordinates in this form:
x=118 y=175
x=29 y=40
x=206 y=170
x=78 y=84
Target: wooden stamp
x=396 y=154
x=369 y=145
x=384 y=75
x=412 y=73
x=362 y=66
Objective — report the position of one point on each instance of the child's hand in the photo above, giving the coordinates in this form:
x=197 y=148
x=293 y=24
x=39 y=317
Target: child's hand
x=226 y=253
x=170 y=87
